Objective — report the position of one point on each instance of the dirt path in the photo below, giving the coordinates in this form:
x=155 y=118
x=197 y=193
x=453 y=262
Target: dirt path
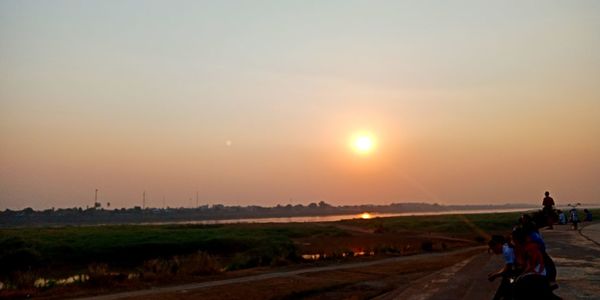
x=362 y=271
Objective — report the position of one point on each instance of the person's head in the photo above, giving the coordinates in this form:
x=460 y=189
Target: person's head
x=529 y=228
x=496 y=243
x=526 y=222
x=585 y=210
x=519 y=236
x=547 y=193
x=525 y=218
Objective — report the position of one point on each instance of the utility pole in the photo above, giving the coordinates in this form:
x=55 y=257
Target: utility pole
x=144 y=200
x=95 y=198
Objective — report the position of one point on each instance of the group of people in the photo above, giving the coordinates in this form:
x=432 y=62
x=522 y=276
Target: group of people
x=528 y=271
x=551 y=214
x=573 y=217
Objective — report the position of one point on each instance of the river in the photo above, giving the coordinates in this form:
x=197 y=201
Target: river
x=333 y=218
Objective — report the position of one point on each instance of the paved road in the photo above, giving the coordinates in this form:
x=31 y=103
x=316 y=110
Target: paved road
x=577 y=258
x=576 y=254
x=464 y=280
x=592 y=232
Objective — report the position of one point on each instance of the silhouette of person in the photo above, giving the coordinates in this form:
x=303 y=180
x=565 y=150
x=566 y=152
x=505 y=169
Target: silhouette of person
x=548 y=209
x=574 y=217
x=588 y=215
x=562 y=218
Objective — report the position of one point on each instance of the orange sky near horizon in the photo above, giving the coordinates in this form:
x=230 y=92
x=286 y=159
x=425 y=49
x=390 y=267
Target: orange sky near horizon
x=245 y=104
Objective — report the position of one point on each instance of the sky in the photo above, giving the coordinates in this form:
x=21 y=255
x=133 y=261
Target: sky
x=257 y=102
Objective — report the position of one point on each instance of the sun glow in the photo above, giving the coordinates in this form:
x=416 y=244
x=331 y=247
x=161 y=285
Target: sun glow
x=363 y=143
x=366 y=215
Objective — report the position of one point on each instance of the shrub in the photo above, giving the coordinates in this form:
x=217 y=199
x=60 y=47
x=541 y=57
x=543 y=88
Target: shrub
x=380 y=229
x=270 y=253
x=387 y=249
x=199 y=263
x=24 y=280
x=99 y=274
x=17 y=255
x=427 y=246
x=157 y=267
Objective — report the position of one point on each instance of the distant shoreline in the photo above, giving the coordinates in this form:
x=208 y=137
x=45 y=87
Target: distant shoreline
x=220 y=214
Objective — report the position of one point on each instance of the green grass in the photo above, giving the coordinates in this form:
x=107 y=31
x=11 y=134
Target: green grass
x=467 y=224
x=130 y=245
x=243 y=245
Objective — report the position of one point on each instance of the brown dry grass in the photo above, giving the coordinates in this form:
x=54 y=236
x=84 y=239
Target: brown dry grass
x=359 y=283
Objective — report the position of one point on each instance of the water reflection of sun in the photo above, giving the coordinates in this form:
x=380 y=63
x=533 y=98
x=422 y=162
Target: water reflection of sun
x=366 y=215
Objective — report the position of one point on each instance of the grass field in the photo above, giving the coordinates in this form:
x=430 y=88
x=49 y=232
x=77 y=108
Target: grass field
x=129 y=245
x=63 y=251
x=469 y=225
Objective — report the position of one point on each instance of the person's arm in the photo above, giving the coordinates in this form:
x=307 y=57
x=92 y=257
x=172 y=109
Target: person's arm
x=534 y=259
x=507 y=268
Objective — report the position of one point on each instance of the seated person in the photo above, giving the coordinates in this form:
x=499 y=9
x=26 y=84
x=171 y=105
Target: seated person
x=562 y=218
x=499 y=245
x=533 y=282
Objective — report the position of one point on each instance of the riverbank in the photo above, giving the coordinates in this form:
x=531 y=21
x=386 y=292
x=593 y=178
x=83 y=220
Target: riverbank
x=220 y=214
x=137 y=257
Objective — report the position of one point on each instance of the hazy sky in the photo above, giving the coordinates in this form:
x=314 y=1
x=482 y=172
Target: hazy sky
x=255 y=102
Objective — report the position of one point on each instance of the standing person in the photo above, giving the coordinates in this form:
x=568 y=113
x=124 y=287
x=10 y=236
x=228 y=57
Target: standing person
x=588 y=215
x=548 y=210
x=574 y=217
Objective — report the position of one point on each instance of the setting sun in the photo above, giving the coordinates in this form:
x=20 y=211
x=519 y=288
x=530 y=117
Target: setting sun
x=363 y=144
